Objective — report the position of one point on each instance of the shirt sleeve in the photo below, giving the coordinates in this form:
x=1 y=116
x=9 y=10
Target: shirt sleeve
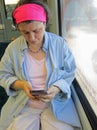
x=7 y=76
x=64 y=70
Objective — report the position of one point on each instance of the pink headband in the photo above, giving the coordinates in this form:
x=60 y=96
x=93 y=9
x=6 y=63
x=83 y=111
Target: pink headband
x=29 y=12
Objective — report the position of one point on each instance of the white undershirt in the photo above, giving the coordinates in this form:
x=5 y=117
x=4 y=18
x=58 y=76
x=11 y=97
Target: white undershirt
x=36 y=72
x=37 y=76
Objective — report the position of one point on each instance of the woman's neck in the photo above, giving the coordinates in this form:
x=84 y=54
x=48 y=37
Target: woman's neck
x=34 y=48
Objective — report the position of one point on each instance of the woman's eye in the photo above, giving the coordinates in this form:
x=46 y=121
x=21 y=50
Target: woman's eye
x=36 y=31
x=26 y=33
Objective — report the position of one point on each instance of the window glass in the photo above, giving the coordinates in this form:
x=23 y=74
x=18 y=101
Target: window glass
x=1 y=24
x=79 y=27
x=9 y=6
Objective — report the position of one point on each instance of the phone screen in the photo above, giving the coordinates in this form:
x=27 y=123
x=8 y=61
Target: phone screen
x=38 y=92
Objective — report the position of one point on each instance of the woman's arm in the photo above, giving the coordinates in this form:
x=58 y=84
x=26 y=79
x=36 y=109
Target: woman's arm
x=22 y=85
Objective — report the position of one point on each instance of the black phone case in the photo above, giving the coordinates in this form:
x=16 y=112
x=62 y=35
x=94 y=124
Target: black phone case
x=38 y=92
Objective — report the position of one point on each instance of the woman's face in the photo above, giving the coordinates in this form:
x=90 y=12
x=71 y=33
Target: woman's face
x=33 y=32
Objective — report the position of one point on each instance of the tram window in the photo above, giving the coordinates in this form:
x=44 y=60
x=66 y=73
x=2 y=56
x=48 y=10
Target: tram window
x=9 y=6
x=79 y=27
x=1 y=24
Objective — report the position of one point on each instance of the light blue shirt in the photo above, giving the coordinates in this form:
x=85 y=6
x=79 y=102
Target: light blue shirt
x=60 y=72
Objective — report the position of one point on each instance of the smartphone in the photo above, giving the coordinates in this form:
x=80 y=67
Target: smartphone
x=38 y=92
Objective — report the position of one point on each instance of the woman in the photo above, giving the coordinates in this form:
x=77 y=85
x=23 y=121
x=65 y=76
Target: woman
x=37 y=60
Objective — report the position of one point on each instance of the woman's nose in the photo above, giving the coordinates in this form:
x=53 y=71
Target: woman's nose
x=31 y=36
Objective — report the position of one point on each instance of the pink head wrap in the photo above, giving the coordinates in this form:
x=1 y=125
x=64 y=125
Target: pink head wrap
x=29 y=12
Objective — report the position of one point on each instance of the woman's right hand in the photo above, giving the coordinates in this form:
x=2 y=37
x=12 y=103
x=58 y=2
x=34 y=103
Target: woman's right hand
x=23 y=85
x=27 y=88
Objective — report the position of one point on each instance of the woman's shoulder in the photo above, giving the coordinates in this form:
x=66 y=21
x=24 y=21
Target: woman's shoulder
x=17 y=43
x=55 y=38
x=50 y=34
x=18 y=40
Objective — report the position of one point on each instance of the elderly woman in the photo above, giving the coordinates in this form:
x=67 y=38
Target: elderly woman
x=36 y=61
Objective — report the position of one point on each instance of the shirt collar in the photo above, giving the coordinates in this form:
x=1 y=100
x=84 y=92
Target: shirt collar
x=46 y=42
x=23 y=43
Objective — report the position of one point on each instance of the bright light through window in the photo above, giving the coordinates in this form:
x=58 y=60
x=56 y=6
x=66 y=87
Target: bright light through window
x=7 y=2
x=79 y=27
x=95 y=3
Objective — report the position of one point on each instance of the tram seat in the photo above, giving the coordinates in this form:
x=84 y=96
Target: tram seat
x=3 y=46
x=3 y=95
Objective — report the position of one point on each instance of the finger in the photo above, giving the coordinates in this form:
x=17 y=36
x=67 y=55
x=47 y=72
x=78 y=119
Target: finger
x=45 y=100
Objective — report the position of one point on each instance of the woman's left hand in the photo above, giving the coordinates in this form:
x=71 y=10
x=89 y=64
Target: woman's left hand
x=51 y=92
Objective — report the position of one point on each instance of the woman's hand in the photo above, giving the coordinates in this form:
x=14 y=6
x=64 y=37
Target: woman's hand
x=51 y=92
x=27 y=88
x=23 y=85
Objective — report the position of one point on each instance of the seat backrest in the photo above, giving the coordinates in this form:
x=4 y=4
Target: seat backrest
x=3 y=46
x=3 y=95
